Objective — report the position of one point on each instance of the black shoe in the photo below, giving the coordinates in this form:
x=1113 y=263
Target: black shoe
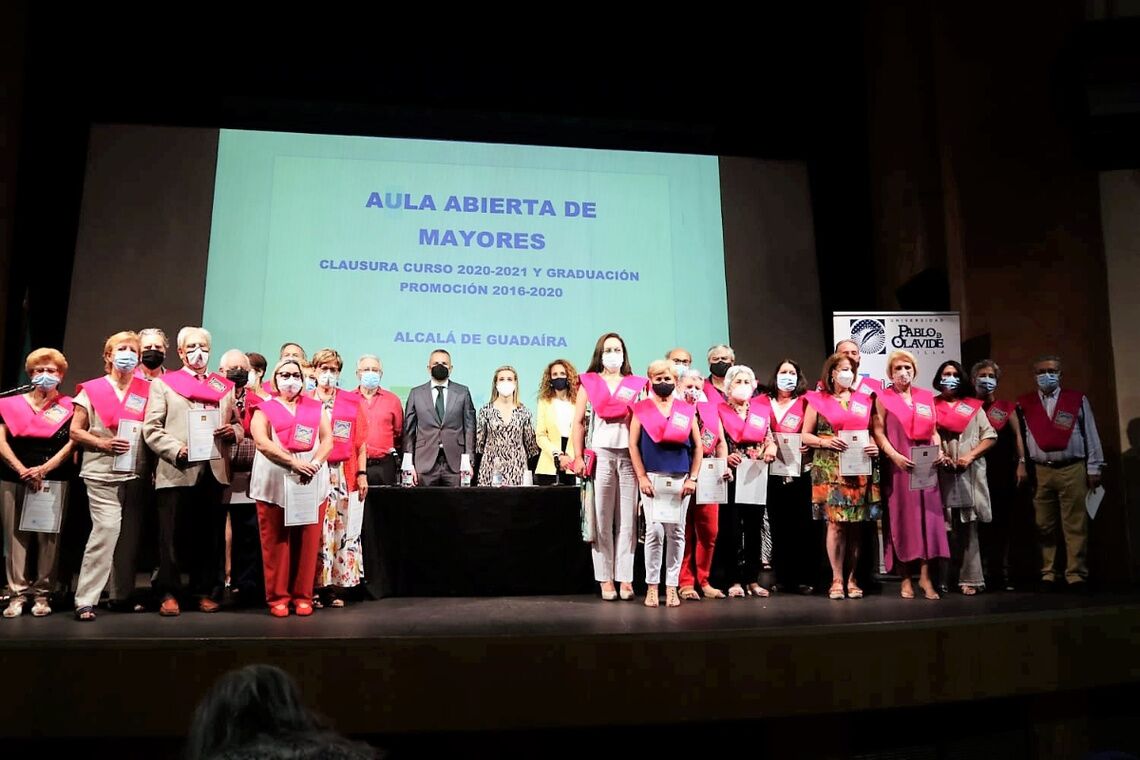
x=1046 y=587
x=1079 y=587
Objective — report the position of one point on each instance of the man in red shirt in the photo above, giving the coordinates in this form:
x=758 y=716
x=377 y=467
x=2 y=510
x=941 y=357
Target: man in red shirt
x=385 y=415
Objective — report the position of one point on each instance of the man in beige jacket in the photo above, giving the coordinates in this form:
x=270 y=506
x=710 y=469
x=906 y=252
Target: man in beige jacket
x=187 y=482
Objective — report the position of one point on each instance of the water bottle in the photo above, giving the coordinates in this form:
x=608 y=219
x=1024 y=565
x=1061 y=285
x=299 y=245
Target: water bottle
x=496 y=476
x=465 y=479
x=406 y=478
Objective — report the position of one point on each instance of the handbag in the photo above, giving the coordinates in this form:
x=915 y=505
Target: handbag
x=590 y=458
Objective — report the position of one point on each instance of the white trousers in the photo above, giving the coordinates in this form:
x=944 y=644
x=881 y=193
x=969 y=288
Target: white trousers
x=615 y=513
x=667 y=539
x=106 y=503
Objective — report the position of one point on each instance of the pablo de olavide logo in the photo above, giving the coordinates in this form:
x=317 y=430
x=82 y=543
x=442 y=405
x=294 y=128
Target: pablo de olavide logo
x=919 y=335
x=870 y=335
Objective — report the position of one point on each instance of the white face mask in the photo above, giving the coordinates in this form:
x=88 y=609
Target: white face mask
x=844 y=378
x=198 y=358
x=253 y=379
x=506 y=388
x=613 y=360
x=289 y=387
x=327 y=379
x=679 y=369
x=741 y=392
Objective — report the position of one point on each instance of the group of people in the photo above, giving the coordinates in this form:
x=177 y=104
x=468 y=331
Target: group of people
x=221 y=512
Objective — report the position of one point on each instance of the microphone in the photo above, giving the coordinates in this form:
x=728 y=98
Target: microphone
x=17 y=391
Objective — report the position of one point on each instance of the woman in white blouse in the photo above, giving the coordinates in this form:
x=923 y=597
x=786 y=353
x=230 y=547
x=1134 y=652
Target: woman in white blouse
x=553 y=420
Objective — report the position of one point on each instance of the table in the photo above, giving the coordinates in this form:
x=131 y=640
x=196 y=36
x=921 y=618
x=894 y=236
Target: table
x=481 y=541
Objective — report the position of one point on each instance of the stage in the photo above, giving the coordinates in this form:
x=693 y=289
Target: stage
x=405 y=667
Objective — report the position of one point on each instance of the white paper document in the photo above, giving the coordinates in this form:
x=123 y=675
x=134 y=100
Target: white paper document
x=355 y=519
x=302 y=501
x=200 y=427
x=854 y=461
x=752 y=482
x=666 y=503
x=129 y=430
x=712 y=488
x=1092 y=501
x=42 y=510
x=924 y=475
x=789 y=460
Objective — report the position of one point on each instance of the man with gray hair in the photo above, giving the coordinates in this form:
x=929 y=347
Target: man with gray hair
x=720 y=357
x=153 y=345
x=1062 y=441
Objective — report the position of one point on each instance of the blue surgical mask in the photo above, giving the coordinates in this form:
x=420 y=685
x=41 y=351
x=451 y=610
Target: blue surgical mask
x=786 y=382
x=985 y=384
x=1048 y=381
x=950 y=382
x=310 y=384
x=126 y=360
x=45 y=381
x=370 y=379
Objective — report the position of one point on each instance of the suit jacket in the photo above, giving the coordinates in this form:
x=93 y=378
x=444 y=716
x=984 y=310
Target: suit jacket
x=424 y=433
x=548 y=437
x=164 y=430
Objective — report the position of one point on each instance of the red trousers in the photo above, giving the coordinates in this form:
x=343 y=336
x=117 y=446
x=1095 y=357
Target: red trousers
x=289 y=555
x=700 y=538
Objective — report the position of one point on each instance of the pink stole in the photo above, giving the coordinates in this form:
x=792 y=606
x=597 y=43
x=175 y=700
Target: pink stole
x=676 y=429
x=106 y=403
x=754 y=427
x=345 y=406
x=211 y=391
x=793 y=419
x=296 y=432
x=956 y=415
x=24 y=421
x=612 y=407
x=712 y=394
x=857 y=415
x=1000 y=413
x=917 y=421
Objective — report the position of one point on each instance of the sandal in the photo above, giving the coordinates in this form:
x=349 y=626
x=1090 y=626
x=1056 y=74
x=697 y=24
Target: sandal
x=626 y=591
x=279 y=610
x=651 y=597
x=317 y=603
x=711 y=592
x=854 y=592
x=85 y=614
x=966 y=591
x=303 y=609
x=836 y=591
x=736 y=591
x=755 y=589
x=907 y=591
x=931 y=594
x=336 y=602
x=690 y=593
x=672 y=598
x=41 y=608
x=15 y=607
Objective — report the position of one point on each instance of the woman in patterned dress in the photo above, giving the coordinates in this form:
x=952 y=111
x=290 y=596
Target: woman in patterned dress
x=504 y=432
x=841 y=500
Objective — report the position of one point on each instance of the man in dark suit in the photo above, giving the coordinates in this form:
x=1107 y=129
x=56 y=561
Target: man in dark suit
x=439 y=426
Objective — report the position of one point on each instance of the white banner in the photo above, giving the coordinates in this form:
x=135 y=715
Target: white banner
x=932 y=336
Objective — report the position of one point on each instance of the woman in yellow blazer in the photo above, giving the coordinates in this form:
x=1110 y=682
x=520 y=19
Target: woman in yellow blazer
x=556 y=394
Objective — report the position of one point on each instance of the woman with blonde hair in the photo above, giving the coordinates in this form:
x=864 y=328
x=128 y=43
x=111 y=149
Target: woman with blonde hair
x=915 y=529
x=34 y=447
x=101 y=404
x=504 y=433
x=553 y=421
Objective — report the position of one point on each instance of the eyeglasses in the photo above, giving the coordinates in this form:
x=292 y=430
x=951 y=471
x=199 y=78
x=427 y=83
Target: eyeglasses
x=1047 y=372
x=289 y=375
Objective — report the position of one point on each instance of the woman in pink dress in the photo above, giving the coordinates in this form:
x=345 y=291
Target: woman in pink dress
x=915 y=527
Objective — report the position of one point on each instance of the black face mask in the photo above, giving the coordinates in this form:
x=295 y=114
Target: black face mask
x=720 y=369
x=664 y=390
x=560 y=383
x=152 y=358
x=238 y=377
x=440 y=372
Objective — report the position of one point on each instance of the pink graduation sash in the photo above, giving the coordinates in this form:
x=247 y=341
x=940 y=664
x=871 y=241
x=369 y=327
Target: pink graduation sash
x=187 y=386
x=612 y=407
x=857 y=415
x=710 y=424
x=1000 y=413
x=345 y=406
x=1052 y=434
x=955 y=415
x=24 y=421
x=793 y=419
x=106 y=403
x=296 y=432
x=712 y=394
x=867 y=386
x=754 y=427
x=677 y=428
x=918 y=422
